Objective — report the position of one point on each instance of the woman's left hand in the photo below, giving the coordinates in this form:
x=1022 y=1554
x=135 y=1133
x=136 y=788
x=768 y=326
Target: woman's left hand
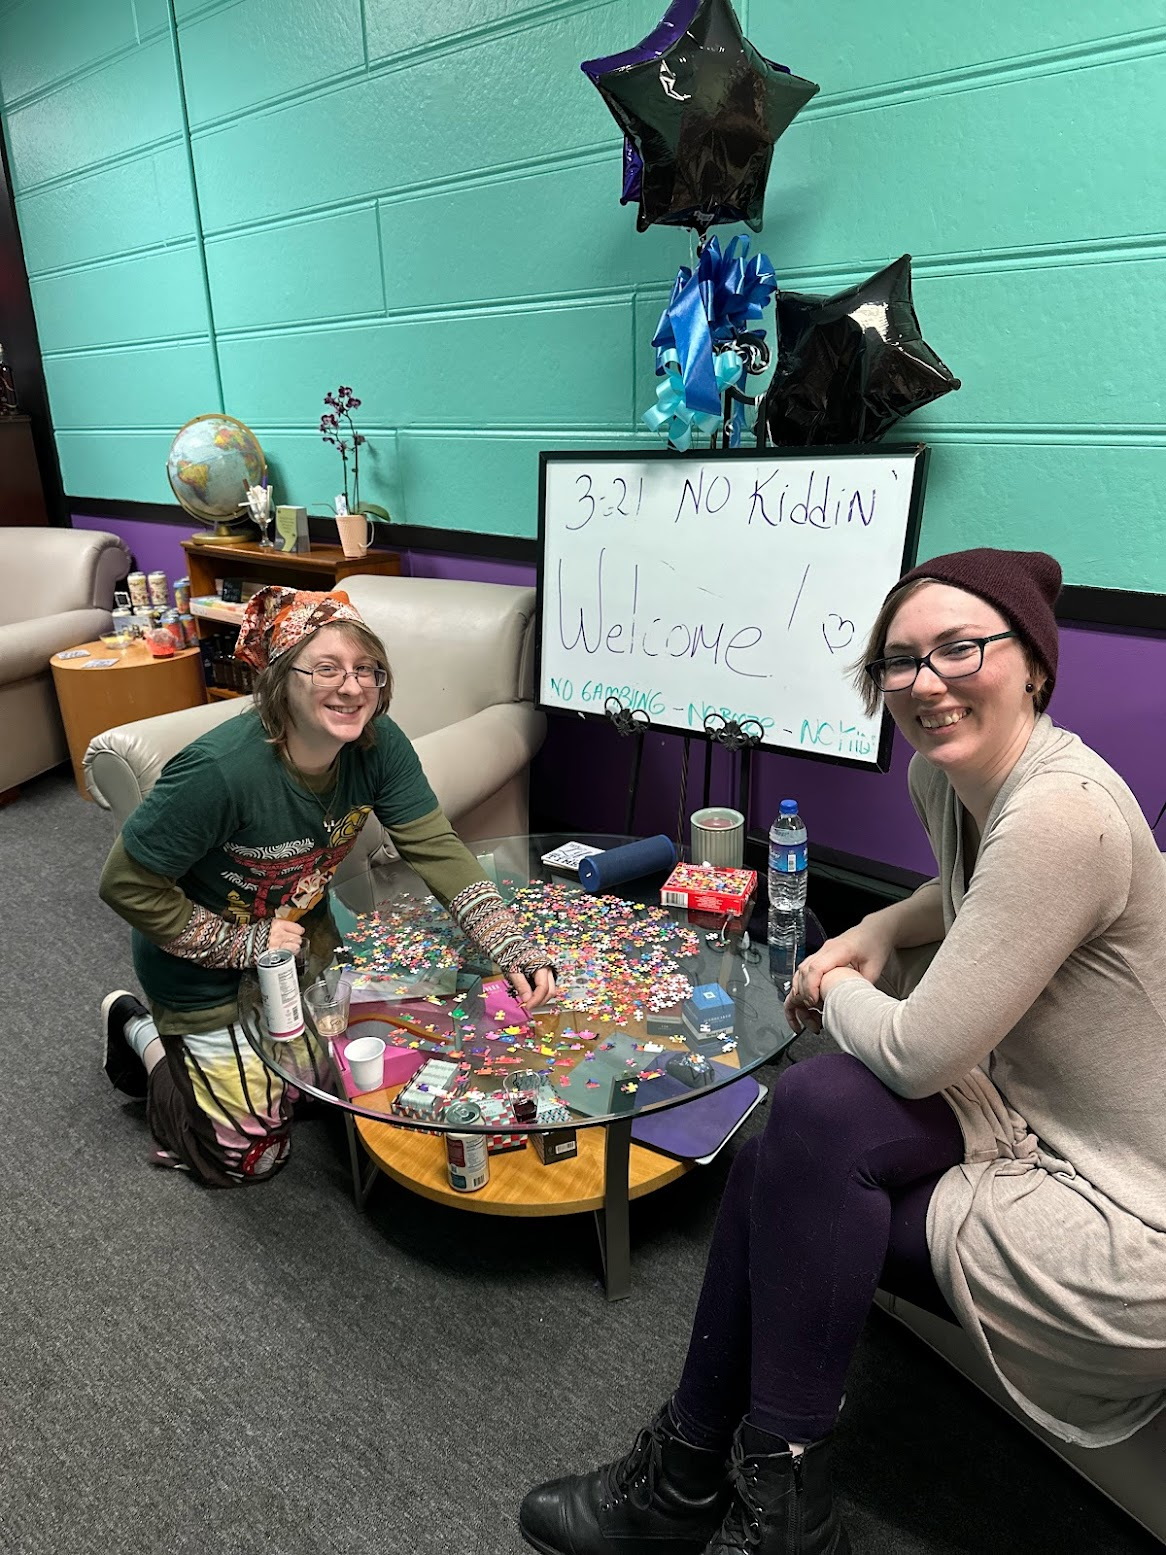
x=530 y=997
x=802 y=1009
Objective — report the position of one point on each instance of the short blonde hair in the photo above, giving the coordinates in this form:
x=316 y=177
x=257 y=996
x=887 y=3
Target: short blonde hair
x=271 y=685
x=877 y=640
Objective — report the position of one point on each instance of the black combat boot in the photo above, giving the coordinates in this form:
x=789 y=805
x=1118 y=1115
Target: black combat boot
x=665 y=1497
x=782 y=1504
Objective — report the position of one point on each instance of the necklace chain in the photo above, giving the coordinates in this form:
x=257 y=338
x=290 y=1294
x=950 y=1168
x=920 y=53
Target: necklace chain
x=325 y=800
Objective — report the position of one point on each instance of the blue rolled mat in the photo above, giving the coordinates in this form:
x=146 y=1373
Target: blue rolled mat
x=602 y=871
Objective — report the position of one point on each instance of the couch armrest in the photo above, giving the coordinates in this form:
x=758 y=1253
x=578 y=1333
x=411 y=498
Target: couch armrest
x=27 y=646
x=122 y=765
x=46 y=571
x=468 y=761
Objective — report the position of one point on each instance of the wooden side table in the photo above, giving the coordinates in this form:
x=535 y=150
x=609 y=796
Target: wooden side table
x=136 y=686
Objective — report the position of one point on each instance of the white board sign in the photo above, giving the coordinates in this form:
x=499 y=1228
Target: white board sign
x=740 y=584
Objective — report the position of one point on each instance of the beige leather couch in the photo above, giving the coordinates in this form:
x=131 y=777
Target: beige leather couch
x=462 y=660
x=1133 y=1473
x=56 y=590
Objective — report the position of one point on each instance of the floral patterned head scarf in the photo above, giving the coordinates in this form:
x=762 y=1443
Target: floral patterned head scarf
x=278 y=619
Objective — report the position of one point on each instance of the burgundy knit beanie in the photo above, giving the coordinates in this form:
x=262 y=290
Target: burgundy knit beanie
x=1023 y=586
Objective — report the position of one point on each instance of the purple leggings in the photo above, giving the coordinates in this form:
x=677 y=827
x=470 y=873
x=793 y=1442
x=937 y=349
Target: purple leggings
x=829 y=1204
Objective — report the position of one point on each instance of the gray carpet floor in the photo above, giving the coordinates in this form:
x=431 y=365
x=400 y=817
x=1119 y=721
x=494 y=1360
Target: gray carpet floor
x=270 y=1372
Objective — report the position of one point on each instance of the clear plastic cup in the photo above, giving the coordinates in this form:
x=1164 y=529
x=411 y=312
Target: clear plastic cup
x=328 y=1009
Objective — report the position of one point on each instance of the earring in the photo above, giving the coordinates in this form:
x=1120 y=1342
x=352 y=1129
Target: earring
x=1029 y=687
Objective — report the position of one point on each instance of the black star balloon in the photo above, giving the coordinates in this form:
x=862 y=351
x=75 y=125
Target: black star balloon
x=850 y=365
x=702 y=109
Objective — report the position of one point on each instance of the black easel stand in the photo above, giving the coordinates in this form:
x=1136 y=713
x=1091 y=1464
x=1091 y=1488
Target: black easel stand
x=625 y=721
x=739 y=738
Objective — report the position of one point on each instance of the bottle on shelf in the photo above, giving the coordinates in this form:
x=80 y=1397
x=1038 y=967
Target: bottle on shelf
x=8 y=402
x=788 y=875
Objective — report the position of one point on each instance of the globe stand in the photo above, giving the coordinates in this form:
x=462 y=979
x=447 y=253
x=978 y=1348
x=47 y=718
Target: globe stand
x=222 y=535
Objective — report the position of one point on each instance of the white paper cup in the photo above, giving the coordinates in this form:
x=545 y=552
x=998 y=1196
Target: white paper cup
x=366 y=1062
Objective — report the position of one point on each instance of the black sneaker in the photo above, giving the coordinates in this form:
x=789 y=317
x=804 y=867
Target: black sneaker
x=125 y=1069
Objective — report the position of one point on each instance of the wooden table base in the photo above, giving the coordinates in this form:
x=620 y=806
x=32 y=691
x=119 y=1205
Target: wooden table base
x=519 y=1182
x=135 y=685
x=608 y=1171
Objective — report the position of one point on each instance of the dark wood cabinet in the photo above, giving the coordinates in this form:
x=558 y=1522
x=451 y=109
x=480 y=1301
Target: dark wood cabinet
x=22 y=498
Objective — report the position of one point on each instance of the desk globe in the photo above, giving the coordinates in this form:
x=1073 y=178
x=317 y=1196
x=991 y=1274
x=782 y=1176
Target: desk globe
x=212 y=460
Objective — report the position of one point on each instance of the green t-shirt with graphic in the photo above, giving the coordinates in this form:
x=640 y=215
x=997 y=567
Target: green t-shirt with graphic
x=228 y=822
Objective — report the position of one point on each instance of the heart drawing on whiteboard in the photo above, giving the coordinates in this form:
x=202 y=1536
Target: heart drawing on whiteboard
x=837 y=636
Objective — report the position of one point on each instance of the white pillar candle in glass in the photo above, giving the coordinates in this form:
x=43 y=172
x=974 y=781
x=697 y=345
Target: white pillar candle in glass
x=718 y=837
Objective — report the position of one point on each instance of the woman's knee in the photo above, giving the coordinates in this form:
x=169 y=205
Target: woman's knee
x=819 y=1093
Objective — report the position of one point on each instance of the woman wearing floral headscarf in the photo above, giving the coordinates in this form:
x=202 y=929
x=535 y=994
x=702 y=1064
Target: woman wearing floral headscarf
x=231 y=854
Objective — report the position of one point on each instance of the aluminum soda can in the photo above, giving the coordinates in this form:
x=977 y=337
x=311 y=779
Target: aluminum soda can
x=182 y=595
x=279 y=986
x=139 y=590
x=466 y=1156
x=172 y=623
x=189 y=629
x=159 y=586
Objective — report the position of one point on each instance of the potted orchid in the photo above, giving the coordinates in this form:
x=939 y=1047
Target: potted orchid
x=354 y=518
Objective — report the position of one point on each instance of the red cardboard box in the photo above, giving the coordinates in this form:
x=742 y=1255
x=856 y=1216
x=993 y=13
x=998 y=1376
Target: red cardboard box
x=701 y=888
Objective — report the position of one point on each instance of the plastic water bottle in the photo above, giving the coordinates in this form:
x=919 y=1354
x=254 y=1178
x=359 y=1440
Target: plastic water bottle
x=787 y=893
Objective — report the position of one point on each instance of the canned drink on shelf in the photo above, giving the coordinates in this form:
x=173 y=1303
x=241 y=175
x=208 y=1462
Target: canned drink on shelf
x=123 y=624
x=466 y=1155
x=279 y=987
x=139 y=590
x=159 y=586
x=189 y=629
x=182 y=595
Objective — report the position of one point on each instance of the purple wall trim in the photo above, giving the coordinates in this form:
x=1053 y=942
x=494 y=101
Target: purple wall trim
x=478 y=569
x=1109 y=691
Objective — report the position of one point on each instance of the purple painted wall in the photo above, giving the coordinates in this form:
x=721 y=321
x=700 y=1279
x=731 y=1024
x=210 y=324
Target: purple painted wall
x=1111 y=690
x=154 y=547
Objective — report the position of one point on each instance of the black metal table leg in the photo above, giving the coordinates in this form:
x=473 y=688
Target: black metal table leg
x=611 y=1222
x=361 y=1183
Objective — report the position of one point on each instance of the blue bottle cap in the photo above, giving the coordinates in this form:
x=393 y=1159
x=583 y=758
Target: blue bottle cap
x=789 y=807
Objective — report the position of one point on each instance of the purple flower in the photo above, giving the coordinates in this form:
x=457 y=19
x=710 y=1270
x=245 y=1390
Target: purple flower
x=342 y=403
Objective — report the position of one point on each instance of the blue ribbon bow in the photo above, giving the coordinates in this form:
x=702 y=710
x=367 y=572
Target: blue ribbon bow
x=709 y=307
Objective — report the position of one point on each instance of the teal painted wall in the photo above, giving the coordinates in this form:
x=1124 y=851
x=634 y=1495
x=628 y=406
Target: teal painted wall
x=238 y=204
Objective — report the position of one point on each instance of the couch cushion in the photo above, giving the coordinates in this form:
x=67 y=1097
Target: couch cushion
x=455 y=647
x=27 y=646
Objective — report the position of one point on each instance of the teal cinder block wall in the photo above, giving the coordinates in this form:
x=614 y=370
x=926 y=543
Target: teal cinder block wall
x=238 y=204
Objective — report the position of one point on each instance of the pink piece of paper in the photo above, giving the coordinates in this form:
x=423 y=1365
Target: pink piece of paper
x=499 y=1000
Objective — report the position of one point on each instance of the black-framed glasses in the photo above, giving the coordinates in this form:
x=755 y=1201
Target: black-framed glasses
x=950 y=661
x=330 y=676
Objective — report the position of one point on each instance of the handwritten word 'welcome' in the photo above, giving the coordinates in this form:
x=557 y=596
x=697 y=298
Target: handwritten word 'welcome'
x=713 y=642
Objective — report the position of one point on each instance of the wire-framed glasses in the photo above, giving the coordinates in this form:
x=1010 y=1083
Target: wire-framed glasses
x=329 y=676
x=950 y=661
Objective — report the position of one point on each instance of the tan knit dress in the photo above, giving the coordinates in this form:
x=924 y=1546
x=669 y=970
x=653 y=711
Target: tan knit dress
x=1042 y=1018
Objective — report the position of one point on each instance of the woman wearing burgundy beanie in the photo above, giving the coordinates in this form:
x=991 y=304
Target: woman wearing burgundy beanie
x=989 y=1144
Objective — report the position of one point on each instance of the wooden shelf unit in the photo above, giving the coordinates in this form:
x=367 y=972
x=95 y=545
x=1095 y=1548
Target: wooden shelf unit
x=321 y=568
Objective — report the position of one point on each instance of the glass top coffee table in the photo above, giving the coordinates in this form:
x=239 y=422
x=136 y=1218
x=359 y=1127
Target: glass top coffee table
x=656 y=1008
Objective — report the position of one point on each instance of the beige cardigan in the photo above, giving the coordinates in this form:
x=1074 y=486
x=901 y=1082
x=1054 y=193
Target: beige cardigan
x=1042 y=1018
